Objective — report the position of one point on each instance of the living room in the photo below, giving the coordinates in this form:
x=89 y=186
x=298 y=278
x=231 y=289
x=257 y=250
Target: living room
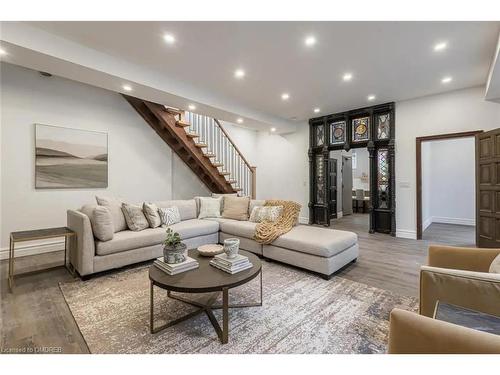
x=162 y=193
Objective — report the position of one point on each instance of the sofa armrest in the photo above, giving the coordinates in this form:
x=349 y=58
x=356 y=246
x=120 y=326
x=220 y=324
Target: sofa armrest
x=473 y=290
x=461 y=258
x=410 y=333
x=82 y=250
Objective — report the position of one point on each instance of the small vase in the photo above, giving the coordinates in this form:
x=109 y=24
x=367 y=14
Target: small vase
x=175 y=254
x=231 y=247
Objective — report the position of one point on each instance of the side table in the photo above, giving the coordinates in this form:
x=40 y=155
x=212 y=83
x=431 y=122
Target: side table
x=38 y=234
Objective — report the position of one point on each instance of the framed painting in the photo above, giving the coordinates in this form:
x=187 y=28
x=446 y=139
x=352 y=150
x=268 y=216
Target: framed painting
x=360 y=129
x=337 y=132
x=70 y=158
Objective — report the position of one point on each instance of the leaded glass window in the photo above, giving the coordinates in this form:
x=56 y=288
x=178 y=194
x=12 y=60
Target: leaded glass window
x=384 y=126
x=319 y=135
x=383 y=178
x=360 y=129
x=320 y=179
x=337 y=133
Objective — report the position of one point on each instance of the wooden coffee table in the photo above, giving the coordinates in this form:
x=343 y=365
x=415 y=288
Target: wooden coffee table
x=205 y=279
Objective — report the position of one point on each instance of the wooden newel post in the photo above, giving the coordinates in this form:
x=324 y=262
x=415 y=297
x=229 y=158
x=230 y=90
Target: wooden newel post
x=254 y=182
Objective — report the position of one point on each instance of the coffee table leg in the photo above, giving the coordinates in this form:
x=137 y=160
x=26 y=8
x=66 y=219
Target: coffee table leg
x=225 y=315
x=151 y=328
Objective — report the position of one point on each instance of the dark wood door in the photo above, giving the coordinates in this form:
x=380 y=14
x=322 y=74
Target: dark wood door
x=332 y=185
x=488 y=189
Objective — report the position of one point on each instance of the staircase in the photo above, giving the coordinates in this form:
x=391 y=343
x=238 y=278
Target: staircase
x=203 y=144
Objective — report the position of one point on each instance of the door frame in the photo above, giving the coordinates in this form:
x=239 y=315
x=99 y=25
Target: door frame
x=419 y=141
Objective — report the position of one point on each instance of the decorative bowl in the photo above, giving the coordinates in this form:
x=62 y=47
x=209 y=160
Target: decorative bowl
x=210 y=250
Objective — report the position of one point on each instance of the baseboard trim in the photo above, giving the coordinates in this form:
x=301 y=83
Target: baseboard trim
x=453 y=220
x=303 y=220
x=340 y=214
x=406 y=233
x=26 y=249
x=426 y=223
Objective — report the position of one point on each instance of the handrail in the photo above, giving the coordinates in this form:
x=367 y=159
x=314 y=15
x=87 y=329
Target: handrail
x=234 y=144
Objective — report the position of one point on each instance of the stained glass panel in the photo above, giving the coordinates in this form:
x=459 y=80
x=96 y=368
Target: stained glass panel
x=320 y=180
x=319 y=135
x=384 y=126
x=337 y=133
x=383 y=178
x=360 y=129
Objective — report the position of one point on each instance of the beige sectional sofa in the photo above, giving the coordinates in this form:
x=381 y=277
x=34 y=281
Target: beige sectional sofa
x=318 y=249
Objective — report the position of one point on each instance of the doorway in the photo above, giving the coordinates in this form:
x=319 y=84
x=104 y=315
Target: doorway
x=446 y=188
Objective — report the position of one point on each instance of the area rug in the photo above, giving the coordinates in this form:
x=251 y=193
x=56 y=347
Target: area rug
x=301 y=313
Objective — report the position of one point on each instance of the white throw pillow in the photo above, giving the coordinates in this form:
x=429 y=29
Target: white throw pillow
x=169 y=215
x=102 y=224
x=209 y=207
x=495 y=265
x=114 y=206
x=152 y=215
x=265 y=213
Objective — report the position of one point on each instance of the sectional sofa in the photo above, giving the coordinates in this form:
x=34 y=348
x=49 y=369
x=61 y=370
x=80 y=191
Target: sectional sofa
x=318 y=249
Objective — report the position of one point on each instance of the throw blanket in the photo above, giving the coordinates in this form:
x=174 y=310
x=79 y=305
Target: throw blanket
x=266 y=232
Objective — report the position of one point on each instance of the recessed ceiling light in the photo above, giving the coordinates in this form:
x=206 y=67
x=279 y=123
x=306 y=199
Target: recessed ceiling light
x=2 y=52
x=191 y=107
x=316 y=110
x=169 y=38
x=371 y=97
x=446 y=79
x=347 y=76
x=239 y=73
x=273 y=130
x=127 y=87
x=310 y=41
x=239 y=120
x=285 y=96
x=440 y=46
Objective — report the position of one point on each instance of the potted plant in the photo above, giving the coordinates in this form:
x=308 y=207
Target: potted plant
x=174 y=250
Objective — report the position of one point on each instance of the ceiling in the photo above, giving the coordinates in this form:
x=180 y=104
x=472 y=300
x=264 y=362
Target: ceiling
x=392 y=60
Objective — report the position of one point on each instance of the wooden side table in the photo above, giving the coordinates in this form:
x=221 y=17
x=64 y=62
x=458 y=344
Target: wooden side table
x=38 y=234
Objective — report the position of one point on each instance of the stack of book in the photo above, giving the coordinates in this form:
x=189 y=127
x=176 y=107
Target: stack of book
x=232 y=266
x=174 y=269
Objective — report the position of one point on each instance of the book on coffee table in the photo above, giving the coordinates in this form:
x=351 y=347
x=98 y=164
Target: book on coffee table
x=174 y=269
x=231 y=270
x=231 y=265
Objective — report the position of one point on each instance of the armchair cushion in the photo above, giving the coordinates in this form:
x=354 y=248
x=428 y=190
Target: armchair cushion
x=462 y=258
x=495 y=265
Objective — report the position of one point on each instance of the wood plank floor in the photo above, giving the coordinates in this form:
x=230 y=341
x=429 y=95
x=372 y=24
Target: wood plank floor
x=36 y=315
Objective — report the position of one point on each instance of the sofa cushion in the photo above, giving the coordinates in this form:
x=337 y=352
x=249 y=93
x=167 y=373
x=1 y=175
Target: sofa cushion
x=128 y=240
x=323 y=242
x=151 y=212
x=254 y=203
x=101 y=221
x=134 y=217
x=169 y=216
x=209 y=207
x=187 y=208
x=238 y=228
x=236 y=208
x=114 y=206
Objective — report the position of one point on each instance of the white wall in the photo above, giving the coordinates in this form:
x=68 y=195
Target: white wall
x=363 y=167
x=451 y=112
x=141 y=166
x=448 y=181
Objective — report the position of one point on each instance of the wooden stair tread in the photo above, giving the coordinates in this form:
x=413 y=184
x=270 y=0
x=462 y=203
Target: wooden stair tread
x=224 y=173
x=192 y=135
x=175 y=111
x=182 y=123
x=201 y=145
x=217 y=165
x=232 y=181
x=209 y=155
x=237 y=189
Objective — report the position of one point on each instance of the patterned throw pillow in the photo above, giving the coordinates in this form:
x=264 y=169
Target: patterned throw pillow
x=209 y=207
x=169 y=215
x=151 y=212
x=134 y=217
x=265 y=213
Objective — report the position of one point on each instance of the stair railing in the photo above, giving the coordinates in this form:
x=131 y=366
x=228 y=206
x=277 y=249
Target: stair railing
x=219 y=144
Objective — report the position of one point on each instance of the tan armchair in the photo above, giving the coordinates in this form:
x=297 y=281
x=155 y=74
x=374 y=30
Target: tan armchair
x=458 y=276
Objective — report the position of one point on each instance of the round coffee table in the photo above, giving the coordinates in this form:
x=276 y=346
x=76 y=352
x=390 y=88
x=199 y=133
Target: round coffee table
x=205 y=279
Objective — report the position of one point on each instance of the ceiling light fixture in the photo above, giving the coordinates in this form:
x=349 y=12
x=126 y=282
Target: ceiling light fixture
x=239 y=120
x=127 y=87
x=285 y=96
x=440 y=46
x=191 y=107
x=310 y=41
x=239 y=73
x=371 y=97
x=447 y=79
x=316 y=110
x=347 y=76
x=169 y=38
x=273 y=130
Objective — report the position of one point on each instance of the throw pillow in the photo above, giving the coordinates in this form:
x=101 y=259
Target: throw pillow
x=115 y=208
x=102 y=224
x=150 y=210
x=236 y=208
x=134 y=217
x=216 y=195
x=209 y=207
x=265 y=213
x=169 y=215
x=495 y=265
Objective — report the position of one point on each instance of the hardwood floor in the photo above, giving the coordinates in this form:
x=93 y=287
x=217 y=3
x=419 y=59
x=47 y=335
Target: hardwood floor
x=36 y=316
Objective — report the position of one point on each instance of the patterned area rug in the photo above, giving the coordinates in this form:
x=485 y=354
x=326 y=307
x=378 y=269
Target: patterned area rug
x=302 y=313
